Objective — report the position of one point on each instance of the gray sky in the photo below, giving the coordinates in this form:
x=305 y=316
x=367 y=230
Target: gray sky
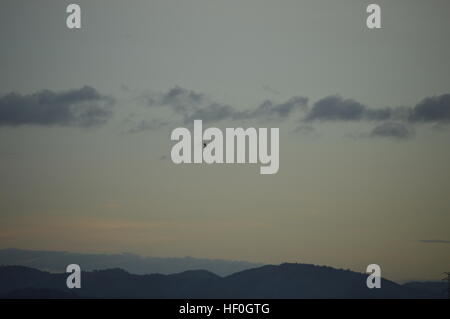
x=363 y=178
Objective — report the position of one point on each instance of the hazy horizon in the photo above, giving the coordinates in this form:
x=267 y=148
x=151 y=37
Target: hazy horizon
x=221 y=267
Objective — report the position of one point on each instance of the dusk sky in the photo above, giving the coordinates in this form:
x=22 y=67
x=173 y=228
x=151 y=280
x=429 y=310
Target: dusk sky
x=364 y=118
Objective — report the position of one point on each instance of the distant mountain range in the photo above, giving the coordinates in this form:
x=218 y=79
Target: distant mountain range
x=56 y=261
x=283 y=281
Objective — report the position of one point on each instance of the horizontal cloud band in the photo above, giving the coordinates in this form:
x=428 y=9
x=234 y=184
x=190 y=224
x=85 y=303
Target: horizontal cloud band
x=395 y=121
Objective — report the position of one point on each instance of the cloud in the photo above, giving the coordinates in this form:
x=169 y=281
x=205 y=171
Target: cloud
x=393 y=129
x=335 y=108
x=392 y=122
x=432 y=109
x=179 y=99
x=148 y=125
x=395 y=122
x=304 y=129
x=211 y=113
x=434 y=241
x=83 y=107
x=192 y=105
x=270 y=89
x=269 y=110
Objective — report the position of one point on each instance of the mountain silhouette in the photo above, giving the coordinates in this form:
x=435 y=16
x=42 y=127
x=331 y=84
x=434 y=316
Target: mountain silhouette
x=56 y=261
x=288 y=281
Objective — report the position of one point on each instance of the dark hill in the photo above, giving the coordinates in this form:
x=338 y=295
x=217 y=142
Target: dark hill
x=283 y=281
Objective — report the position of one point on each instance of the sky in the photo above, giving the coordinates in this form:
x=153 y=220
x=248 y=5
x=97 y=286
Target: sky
x=86 y=117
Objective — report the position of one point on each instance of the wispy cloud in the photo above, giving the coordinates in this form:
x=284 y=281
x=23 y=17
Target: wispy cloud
x=270 y=89
x=148 y=125
x=393 y=130
x=193 y=105
x=434 y=241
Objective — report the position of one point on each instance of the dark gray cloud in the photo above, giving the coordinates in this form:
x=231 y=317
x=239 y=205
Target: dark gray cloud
x=432 y=109
x=395 y=122
x=434 y=241
x=393 y=130
x=335 y=108
x=192 y=106
x=83 y=107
